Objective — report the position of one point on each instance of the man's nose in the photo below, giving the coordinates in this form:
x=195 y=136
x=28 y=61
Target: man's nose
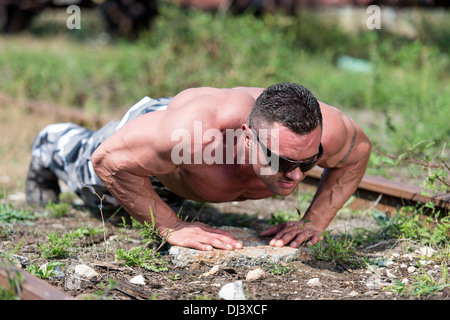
x=295 y=175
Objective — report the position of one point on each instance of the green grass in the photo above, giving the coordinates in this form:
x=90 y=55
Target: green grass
x=57 y=209
x=148 y=259
x=404 y=100
x=57 y=246
x=406 y=96
x=424 y=284
x=14 y=280
x=10 y=215
x=339 y=248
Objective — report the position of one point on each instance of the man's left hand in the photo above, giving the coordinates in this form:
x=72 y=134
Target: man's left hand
x=293 y=232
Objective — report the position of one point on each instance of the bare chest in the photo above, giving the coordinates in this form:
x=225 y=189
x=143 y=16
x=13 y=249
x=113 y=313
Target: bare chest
x=216 y=183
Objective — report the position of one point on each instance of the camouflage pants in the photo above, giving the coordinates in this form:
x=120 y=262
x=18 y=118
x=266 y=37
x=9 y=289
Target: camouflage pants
x=66 y=149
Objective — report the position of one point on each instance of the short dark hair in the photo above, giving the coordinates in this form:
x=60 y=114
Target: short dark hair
x=289 y=104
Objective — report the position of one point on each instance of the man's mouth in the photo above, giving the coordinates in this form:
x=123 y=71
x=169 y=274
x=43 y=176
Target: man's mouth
x=287 y=184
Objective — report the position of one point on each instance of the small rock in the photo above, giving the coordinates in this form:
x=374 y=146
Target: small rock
x=425 y=262
x=72 y=283
x=314 y=282
x=389 y=263
x=232 y=291
x=255 y=274
x=85 y=272
x=390 y=274
x=405 y=281
x=138 y=280
x=411 y=269
x=353 y=294
x=426 y=251
x=213 y=270
x=375 y=282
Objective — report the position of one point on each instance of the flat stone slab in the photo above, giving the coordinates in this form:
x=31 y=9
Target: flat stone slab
x=256 y=251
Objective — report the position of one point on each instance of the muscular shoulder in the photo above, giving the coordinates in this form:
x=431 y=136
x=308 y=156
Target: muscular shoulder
x=338 y=135
x=220 y=108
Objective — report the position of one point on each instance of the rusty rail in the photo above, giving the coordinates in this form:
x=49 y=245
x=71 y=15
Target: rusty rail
x=388 y=195
x=26 y=286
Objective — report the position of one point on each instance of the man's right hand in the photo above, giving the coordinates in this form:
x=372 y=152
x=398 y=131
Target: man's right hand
x=199 y=236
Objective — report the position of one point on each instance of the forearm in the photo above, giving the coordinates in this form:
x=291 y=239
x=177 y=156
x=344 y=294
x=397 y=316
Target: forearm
x=136 y=195
x=336 y=187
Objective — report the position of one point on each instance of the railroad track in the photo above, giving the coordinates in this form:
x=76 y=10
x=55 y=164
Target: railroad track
x=387 y=195
x=26 y=286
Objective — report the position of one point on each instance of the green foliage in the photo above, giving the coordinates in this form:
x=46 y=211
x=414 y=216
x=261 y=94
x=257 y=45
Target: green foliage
x=15 y=280
x=282 y=217
x=44 y=273
x=279 y=269
x=57 y=246
x=424 y=284
x=147 y=230
x=102 y=294
x=421 y=223
x=408 y=85
x=85 y=231
x=334 y=248
x=413 y=223
x=148 y=259
x=57 y=209
x=10 y=215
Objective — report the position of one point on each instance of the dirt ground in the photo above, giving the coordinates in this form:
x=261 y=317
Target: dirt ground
x=336 y=280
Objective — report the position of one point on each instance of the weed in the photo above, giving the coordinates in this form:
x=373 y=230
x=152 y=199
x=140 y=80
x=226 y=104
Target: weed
x=151 y=235
x=148 y=231
x=85 y=231
x=282 y=217
x=104 y=291
x=333 y=248
x=57 y=209
x=9 y=215
x=200 y=298
x=412 y=223
x=148 y=259
x=57 y=246
x=44 y=273
x=279 y=269
x=15 y=280
x=175 y=277
x=424 y=284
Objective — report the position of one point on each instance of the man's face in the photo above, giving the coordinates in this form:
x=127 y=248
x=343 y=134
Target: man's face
x=292 y=147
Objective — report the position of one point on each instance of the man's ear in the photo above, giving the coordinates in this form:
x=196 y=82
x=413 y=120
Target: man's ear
x=246 y=132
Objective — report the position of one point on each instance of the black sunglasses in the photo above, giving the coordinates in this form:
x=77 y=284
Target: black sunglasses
x=286 y=165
